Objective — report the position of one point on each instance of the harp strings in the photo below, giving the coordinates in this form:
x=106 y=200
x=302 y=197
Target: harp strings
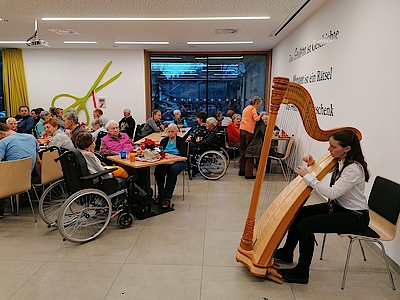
x=290 y=122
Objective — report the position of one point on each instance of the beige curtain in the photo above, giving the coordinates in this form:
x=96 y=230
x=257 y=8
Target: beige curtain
x=14 y=83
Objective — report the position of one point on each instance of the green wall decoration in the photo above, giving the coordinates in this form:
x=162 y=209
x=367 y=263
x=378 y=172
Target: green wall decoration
x=80 y=103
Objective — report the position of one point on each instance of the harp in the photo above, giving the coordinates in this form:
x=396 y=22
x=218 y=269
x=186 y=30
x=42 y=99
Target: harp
x=260 y=239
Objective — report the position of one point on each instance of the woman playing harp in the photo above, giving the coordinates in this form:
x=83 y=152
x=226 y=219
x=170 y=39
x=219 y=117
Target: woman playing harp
x=261 y=238
x=346 y=211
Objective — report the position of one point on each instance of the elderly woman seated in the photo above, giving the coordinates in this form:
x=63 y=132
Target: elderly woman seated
x=59 y=138
x=178 y=120
x=97 y=127
x=167 y=175
x=234 y=131
x=115 y=141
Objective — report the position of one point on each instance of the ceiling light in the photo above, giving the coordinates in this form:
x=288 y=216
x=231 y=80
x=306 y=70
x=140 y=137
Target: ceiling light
x=160 y=19
x=12 y=42
x=165 y=58
x=218 y=43
x=220 y=57
x=143 y=43
x=79 y=42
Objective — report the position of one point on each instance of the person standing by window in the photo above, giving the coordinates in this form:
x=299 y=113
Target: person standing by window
x=249 y=119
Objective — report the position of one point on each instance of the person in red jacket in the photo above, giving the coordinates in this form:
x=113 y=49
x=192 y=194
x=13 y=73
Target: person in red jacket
x=234 y=131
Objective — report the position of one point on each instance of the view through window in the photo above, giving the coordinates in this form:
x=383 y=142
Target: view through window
x=211 y=83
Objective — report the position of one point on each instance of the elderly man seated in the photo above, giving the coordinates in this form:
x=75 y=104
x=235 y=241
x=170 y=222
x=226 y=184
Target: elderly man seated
x=115 y=140
x=15 y=146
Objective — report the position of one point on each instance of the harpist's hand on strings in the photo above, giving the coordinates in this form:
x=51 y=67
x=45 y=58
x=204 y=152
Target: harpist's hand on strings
x=309 y=160
x=302 y=171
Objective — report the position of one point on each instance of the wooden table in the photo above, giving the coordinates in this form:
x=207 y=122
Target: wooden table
x=143 y=167
x=169 y=159
x=158 y=136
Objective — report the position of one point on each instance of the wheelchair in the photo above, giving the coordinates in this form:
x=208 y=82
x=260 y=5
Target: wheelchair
x=80 y=209
x=211 y=161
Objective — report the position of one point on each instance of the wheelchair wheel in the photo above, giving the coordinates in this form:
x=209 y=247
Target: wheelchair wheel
x=51 y=201
x=125 y=220
x=212 y=165
x=84 y=215
x=226 y=154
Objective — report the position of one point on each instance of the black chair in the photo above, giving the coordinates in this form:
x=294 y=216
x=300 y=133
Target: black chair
x=98 y=140
x=138 y=132
x=384 y=209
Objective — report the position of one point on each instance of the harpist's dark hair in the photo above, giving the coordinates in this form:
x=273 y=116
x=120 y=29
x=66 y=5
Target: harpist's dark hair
x=347 y=137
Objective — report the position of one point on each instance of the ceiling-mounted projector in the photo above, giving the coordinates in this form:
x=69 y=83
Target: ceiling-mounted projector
x=34 y=39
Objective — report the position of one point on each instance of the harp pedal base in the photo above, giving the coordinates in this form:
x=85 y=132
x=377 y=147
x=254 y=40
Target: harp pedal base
x=270 y=272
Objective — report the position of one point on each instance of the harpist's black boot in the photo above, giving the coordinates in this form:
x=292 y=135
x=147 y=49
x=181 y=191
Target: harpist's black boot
x=295 y=275
x=283 y=256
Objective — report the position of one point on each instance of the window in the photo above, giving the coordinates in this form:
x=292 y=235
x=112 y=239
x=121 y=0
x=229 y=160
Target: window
x=211 y=83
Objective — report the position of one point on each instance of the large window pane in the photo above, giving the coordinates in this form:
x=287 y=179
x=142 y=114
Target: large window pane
x=211 y=83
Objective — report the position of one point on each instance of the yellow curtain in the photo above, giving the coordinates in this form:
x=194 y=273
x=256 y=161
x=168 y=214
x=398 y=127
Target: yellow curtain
x=14 y=83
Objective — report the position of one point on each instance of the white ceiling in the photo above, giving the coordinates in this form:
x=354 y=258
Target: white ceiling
x=22 y=13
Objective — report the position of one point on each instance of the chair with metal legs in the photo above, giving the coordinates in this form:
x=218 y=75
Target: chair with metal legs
x=15 y=178
x=384 y=209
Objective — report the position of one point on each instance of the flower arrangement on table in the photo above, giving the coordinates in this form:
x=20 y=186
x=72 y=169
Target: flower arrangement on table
x=150 y=151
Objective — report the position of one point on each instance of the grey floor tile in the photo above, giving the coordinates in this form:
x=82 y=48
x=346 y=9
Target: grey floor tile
x=186 y=254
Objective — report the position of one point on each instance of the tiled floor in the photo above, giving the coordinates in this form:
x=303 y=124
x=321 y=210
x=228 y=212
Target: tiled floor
x=183 y=255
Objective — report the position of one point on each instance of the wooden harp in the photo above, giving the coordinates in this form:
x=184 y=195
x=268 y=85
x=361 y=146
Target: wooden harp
x=260 y=239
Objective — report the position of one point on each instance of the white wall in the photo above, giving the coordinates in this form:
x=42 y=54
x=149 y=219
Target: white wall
x=364 y=89
x=51 y=72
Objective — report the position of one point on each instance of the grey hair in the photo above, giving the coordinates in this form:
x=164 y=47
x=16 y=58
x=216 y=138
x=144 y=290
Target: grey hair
x=212 y=121
x=44 y=114
x=111 y=122
x=177 y=111
x=127 y=110
x=172 y=125
x=255 y=100
x=235 y=116
x=98 y=122
x=9 y=120
x=71 y=115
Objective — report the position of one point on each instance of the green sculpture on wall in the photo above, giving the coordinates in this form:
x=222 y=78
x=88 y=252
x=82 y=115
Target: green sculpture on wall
x=80 y=103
